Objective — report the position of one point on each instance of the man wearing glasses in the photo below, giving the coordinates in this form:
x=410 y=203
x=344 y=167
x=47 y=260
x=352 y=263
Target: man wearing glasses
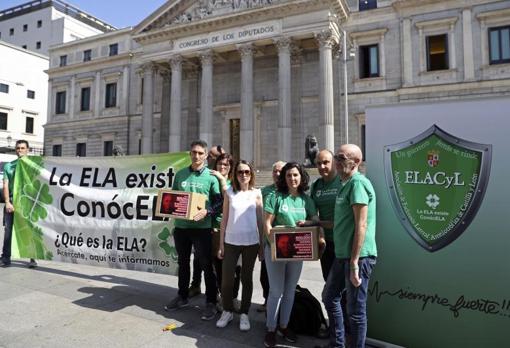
x=196 y=233
x=355 y=249
x=9 y=172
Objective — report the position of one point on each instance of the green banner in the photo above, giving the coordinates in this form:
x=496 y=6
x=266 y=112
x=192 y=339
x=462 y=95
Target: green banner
x=95 y=211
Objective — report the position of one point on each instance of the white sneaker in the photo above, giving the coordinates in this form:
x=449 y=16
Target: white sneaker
x=226 y=317
x=244 y=322
x=237 y=305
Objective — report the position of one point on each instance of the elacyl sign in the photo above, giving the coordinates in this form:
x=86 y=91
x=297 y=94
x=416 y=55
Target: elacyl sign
x=437 y=182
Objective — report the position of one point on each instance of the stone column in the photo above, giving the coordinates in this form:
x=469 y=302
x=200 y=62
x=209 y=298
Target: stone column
x=97 y=95
x=284 y=99
x=124 y=104
x=407 y=63
x=247 y=121
x=148 y=107
x=467 y=36
x=326 y=136
x=174 y=138
x=206 y=97
x=72 y=97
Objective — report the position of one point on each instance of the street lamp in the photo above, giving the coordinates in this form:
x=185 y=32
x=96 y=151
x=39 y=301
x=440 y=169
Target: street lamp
x=344 y=59
x=9 y=140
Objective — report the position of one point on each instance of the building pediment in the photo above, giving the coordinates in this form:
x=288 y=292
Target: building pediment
x=177 y=12
x=177 y=16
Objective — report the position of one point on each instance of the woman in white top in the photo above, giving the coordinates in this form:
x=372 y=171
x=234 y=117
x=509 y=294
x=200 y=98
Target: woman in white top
x=240 y=234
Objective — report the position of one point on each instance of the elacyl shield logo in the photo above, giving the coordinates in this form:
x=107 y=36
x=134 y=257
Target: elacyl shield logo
x=437 y=182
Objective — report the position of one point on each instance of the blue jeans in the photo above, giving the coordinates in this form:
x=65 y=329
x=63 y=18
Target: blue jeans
x=338 y=280
x=6 y=249
x=200 y=239
x=283 y=278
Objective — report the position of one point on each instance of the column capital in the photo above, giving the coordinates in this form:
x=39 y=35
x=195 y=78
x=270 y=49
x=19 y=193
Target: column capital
x=206 y=57
x=149 y=67
x=325 y=38
x=165 y=73
x=175 y=62
x=296 y=56
x=246 y=50
x=283 y=44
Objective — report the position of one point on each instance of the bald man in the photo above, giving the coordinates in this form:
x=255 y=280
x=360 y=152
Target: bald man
x=323 y=192
x=355 y=249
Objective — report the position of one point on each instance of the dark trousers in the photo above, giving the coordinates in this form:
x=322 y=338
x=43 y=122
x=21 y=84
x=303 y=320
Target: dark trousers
x=264 y=280
x=249 y=255
x=218 y=269
x=197 y=272
x=327 y=259
x=217 y=265
x=200 y=240
x=6 y=248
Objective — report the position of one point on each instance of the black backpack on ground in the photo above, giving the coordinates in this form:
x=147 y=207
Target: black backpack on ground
x=306 y=317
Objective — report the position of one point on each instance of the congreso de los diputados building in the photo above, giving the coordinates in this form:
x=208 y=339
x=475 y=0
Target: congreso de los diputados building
x=259 y=76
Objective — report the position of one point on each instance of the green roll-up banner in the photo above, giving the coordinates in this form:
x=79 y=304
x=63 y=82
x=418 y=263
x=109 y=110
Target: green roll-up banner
x=440 y=171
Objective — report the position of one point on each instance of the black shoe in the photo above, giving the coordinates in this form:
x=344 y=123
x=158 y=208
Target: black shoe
x=32 y=263
x=176 y=303
x=6 y=262
x=270 y=339
x=287 y=334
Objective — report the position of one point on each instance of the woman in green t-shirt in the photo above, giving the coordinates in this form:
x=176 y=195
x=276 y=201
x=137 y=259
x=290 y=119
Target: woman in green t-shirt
x=290 y=207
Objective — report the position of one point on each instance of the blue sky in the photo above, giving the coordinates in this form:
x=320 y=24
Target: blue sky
x=119 y=13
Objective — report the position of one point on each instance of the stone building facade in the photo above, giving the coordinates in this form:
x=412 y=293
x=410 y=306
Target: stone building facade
x=259 y=76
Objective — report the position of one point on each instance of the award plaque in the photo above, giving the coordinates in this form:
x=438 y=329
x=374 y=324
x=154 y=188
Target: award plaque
x=295 y=243
x=179 y=204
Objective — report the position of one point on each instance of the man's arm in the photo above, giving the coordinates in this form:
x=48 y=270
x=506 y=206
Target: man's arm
x=8 y=204
x=360 y=228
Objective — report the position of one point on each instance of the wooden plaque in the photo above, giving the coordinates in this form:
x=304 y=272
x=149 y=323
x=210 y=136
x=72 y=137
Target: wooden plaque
x=179 y=204
x=295 y=243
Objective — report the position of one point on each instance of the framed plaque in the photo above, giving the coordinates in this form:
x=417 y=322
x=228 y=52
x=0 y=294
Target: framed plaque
x=179 y=204
x=295 y=243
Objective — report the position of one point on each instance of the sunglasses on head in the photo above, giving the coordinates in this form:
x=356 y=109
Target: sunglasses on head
x=340 y=157
x=245 y=172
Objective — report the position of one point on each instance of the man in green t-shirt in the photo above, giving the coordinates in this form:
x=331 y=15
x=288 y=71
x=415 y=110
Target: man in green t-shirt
x=323 y=192
x=9 y=172
x=267 y=191
x=196 y=233
x=355 y=249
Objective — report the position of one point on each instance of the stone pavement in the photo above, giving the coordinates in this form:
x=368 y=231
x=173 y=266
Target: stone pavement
x=69 y=305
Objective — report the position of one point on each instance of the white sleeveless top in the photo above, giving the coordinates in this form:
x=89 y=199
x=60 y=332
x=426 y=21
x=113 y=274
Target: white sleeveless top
x=242 y=217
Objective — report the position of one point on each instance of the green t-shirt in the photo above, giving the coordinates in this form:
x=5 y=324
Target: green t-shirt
x=324 y=196
x=266 y=191
x=9 y=171
x=357 y=190
x=196 y=181
x=218 y=217
x=288 y=210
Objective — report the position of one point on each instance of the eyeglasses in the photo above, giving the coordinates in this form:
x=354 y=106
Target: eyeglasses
x=244 y=172
x=340 y=157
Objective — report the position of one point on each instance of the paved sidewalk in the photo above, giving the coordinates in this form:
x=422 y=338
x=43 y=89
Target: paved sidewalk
x=63 y=305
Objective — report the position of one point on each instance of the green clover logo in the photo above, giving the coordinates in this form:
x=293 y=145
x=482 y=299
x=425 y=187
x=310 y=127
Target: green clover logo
x=33 y=199
x=165 y=246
